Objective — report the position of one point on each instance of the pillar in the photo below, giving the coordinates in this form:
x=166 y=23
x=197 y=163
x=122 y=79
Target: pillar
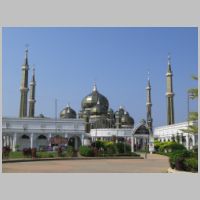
x=31 y=143
x=132 y=144
x=187 y=141
x=82 y=139
x=49 y=139
x=14 y=142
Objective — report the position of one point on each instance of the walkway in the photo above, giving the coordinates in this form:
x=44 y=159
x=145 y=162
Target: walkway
x=153 y=164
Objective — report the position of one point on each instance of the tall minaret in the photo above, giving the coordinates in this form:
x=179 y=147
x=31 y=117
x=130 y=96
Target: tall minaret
x=149 y=105
x=32 y=95
x=170 y=94
x=24 y=87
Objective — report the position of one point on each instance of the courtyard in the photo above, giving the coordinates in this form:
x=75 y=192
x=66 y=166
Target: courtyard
x=153 y=164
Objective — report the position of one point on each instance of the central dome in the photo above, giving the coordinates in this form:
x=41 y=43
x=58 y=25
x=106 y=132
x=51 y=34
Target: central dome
x=91 y=100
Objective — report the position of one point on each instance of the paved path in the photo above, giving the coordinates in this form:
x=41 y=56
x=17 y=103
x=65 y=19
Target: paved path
x=153 y=164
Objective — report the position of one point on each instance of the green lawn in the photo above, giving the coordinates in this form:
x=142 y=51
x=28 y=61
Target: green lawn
x=39 y=154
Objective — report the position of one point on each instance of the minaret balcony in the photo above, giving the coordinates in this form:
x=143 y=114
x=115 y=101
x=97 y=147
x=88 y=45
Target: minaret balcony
x=32 y=100
x=169 y=94
x=24 y=89
x=169 y=74
x=25 y=67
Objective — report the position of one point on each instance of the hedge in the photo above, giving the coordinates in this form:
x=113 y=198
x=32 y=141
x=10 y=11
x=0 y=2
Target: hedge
x=86 y=151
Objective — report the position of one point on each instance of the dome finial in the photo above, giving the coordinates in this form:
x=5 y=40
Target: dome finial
x=68 y=104
x=94 y=87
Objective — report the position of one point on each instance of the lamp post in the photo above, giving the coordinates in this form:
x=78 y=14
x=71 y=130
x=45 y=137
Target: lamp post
x=189 y=96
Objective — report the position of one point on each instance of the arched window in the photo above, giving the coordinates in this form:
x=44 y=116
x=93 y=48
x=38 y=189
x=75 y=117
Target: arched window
x=25 y=137
x=42 y=137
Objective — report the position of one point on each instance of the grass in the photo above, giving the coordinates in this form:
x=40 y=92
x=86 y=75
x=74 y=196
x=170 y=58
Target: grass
x=40 y=154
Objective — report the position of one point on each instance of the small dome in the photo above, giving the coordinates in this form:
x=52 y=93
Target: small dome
x=120 y=112
x=98 y=109
x=126 y=119
x=68 y=113
x=110 y=113
x=90 y=100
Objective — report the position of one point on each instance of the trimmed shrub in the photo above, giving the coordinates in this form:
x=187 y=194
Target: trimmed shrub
x=6 y=152
x=183 y=160
x=60 y=152
x=98 y=144
x=167 y=147
x=27 y=152
x=70 y=151
x=123 y=148
x=86 y=151
x=50 y=155
x=191 y=164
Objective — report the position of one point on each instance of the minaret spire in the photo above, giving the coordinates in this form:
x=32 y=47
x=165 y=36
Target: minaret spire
x=149 y=105
x=169 y=63
x=94 y=87
x=170 y=94
x=24 y=87
x=32 y=95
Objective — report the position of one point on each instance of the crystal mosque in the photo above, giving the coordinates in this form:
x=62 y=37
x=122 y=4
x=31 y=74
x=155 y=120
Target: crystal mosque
x=96 y=120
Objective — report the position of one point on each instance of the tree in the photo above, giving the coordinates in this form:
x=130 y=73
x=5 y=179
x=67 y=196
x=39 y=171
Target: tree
x=193 y=116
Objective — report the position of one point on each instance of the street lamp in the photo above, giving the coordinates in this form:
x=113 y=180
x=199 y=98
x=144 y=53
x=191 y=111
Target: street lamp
x=189 y=96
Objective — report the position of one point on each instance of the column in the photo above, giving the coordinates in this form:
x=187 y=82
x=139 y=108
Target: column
x=187 y=141
x=193 y=140
x=31 y=143
x=49 y=139
x=11 y=142
x=82 y=139
x=14 y=142
x=132 y=144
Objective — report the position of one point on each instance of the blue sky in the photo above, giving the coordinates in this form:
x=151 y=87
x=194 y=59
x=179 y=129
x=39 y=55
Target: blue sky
x=69 y=60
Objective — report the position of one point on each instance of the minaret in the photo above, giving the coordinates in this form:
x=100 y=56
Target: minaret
x=32 y=95
x=149 y=105
x=24 y=87
x=170 y=94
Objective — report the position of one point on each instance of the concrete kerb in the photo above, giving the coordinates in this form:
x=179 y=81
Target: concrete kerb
x=170 y=170
x=73 y=158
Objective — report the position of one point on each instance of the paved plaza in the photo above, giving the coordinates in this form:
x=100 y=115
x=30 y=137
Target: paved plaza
x=153 y=164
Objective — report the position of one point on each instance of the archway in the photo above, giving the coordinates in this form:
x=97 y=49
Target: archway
x=24 y=142
x=42 y=142
x=141 y=137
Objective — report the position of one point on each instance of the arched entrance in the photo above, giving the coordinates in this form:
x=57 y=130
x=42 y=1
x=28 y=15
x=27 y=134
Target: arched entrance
x=42 y=142
x=141 y=137
x=24 y=142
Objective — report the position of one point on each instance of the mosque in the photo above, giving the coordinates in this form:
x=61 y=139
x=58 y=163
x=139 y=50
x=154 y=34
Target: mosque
x=96 y=120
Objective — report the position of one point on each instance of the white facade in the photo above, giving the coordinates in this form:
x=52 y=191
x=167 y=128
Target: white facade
x=109 y=132
x=167 y=133
x=36 y=132
x=138 y=139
